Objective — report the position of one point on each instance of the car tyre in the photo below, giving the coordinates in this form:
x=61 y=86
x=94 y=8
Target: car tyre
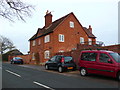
x=83 y=72
x=21 y=62
x=46 y=67
x=118 y=76
x=60 y=69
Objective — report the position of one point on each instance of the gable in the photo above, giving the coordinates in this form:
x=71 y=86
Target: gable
x=44 y=31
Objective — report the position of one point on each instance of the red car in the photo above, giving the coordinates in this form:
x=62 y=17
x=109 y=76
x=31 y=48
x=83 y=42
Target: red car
x=100 y=62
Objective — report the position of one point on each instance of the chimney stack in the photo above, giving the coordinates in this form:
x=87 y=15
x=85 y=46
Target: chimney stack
x=48 y=19
x=90 y=28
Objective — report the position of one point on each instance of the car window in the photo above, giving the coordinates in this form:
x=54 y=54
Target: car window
x=115 y=56
x=89 y=56
x=58 y=58
x=53 y=58
x=104 y=58
x=67 y=59
x=18 y=58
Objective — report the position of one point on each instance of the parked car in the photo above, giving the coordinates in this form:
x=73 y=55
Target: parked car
x=61 y=63
x=17 y=60
x=100 y=62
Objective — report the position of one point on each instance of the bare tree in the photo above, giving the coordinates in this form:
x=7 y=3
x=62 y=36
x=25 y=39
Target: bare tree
x=10 y=9
x=5 y=44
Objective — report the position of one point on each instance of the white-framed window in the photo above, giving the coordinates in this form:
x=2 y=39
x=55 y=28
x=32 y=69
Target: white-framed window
x=47 y=38
x=33 y=56
x=81 y=40
x=33 y=43
x=61 y=38
x=71 y=24
x=39 y=41
x=47 y=54
x=61 y=50
x=89 y=41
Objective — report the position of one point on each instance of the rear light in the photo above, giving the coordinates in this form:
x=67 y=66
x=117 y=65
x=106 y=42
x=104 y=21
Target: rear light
x=62 y=60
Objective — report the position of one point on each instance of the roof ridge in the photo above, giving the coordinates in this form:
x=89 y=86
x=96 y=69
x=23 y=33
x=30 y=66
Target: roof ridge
x=62 y=17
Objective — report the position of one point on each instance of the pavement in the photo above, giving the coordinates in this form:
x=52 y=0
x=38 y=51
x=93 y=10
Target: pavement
x=42 y=68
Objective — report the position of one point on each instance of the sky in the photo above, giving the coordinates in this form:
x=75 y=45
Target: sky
x=102 y=15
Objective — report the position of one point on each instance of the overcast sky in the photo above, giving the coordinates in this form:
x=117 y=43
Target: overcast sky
x=102 y=15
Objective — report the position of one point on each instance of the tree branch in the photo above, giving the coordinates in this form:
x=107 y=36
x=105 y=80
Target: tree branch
x=10 y=9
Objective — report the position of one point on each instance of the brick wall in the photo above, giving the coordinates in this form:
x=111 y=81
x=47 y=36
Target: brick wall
x=115 y=48
x=75 y=53
x=26 y=58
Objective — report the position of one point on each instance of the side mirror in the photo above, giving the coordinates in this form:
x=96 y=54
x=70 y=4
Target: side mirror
x=110 y=61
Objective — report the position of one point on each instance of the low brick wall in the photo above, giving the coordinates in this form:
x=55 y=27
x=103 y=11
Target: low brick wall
x=115 y=48
x=26 y=58
x=74 y=53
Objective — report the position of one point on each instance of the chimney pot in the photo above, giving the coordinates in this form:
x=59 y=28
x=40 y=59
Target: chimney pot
x=48 y=18
x=90 y=28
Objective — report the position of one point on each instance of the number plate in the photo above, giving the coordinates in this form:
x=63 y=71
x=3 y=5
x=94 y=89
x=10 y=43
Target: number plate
x=70 y=68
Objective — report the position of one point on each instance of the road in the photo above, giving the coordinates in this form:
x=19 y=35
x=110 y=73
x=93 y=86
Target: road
x=15 y=76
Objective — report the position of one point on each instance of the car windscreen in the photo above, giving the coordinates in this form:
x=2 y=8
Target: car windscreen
x=68 y=59
x=116 y=57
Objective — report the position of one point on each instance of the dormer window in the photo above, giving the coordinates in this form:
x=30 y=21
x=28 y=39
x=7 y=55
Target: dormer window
x=71 y=24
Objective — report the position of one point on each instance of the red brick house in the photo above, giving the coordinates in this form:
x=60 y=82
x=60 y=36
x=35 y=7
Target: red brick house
x=62 y=35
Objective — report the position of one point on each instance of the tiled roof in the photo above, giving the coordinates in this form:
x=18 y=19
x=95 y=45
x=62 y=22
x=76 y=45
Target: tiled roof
x=87 y=31
x=44 y=31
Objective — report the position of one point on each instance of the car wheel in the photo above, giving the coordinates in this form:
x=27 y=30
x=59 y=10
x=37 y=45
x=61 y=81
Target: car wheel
x=83 y=72
x=46 y=67
x=118 y=76
x=60 y=69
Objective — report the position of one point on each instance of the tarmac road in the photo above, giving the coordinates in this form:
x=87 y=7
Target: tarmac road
x=21 y=76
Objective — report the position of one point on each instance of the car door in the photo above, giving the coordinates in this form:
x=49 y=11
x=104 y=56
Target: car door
x=53 y=62
x=105 y=66
x=88 y=60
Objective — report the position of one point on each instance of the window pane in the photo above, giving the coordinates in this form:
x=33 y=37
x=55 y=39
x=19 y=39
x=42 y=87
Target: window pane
x=47 y=39
x=104 y=58
x=71 y=24
x=33 y=43
x=53 y=58
x=89 y=56
x=81 y=40
x=90 y=41
x=47 y=54
x=61 y=38
x=116 y=57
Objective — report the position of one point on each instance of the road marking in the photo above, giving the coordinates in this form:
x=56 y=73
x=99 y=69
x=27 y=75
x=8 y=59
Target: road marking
x=13 y=73
x=43 y=85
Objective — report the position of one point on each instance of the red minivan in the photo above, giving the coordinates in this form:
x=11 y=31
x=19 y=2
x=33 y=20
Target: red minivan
x=99 y=62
